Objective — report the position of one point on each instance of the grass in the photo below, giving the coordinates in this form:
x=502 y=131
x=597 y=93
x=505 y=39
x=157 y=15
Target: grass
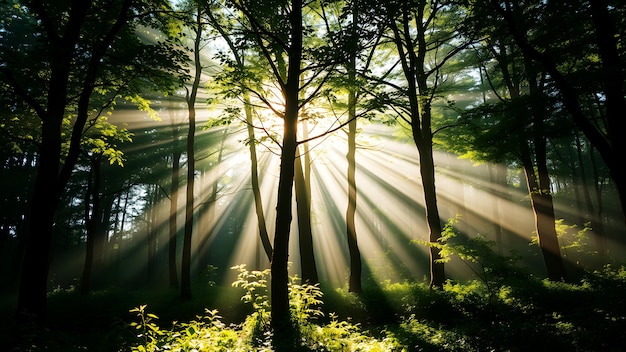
x=515 y=313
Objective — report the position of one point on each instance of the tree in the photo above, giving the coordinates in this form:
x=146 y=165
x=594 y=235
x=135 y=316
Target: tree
x=299 y=66
x=73 y=60
x=527 y=116
x=197 y=25
x=98 y=200
x=303 y=210
x=358 y=39
x=426 y=38
x=235 y=87
x=599 y=30
x=173 y=212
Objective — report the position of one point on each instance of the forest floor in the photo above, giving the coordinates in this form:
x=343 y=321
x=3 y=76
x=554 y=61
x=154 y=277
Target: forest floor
x=519 y=313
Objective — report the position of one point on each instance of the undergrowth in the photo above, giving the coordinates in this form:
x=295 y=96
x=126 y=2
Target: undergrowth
x=209 y=333
x=504 y=315
x=505 y=308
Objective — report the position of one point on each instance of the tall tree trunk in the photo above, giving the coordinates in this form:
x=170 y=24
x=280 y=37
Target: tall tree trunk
x=207 y=209
x=412 y=52
x=540 y=193
x=281 y=322
x=254 y=173
x=305 y=235
x=191 y=163
x=599 y=214
x=354 y=282
x=101 y=240
x=496 y=177
x=254 y=180
x=97 y=213
x=173 y=214
x=92 y=211
x=591 y=215
x=427 y=171
x=543 y=211
x=152 y=229
x=31 y=304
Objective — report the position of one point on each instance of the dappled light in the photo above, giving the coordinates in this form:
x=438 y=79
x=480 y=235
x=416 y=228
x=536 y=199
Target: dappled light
x=312 y=176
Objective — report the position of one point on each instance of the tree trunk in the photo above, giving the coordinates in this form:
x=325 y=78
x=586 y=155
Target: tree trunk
x=92 y=212
x=412 y=52
x=152 y=229
x=100 y=250
x=496 y=177
x=540 y=192
x=254 y=180
x=543 y=211
x=305 y=235
x=254 y=173
x=173 y=214
x=427 y=171
x=191 y=164
x=31 y=304
x=281 y=322
x=599 y=214
x=354 y=282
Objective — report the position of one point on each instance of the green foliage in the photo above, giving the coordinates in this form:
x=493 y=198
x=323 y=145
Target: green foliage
x=477 y=252
x=304 y=301
x=524 y=313
x=206 y=333
x=210 y=333
x=254 y=284
x=148 y=331
x=574 y=243
x=102 y=138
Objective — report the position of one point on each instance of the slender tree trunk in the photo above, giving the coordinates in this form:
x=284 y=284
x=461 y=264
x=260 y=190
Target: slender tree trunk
x=173 y=223
x=305 y=235
x=495 y=177
x=152 y=229
x=412 y=52
x=254 y=180
x=599 y=214
x=354 y=282
x=544 y=211
x=101 y=241
x=207 y=209
x=191 y=164
x=591 y=215
x=92 y=207
x=254 y=173
x=540 y=193
x=189 y=205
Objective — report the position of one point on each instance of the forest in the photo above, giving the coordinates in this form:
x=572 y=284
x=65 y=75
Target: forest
x=312 y=175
